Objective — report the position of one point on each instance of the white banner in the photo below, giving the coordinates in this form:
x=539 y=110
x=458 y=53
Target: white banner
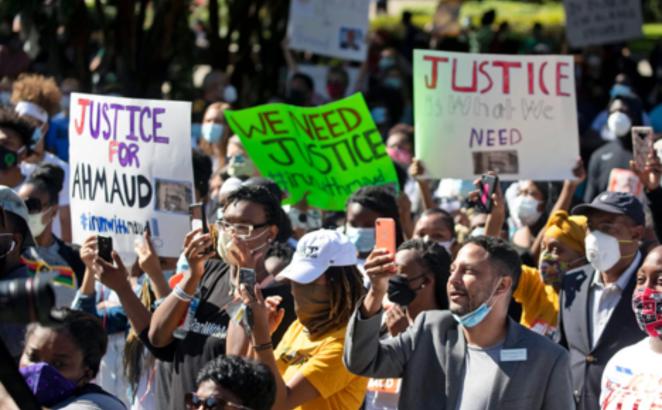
x=593 y=22
x=131 y=168
x=334 y=28
x=515 y=115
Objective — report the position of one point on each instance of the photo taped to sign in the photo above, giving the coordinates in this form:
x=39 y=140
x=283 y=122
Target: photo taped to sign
x=506 y=113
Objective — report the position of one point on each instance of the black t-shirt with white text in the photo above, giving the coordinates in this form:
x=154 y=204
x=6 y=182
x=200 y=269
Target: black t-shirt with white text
x=203 y=340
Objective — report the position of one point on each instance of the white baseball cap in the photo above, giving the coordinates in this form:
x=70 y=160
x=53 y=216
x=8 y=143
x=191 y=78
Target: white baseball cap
x=316 y=252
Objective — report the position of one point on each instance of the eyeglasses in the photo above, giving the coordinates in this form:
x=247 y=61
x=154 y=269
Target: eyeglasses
x=241 y=230
x=193 y=402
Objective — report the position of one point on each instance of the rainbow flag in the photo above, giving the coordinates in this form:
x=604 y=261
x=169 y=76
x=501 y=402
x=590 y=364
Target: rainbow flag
x=65 y=275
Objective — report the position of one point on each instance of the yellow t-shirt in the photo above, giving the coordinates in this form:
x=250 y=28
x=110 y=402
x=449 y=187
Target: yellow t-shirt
x=540 y=302
x=320 y=362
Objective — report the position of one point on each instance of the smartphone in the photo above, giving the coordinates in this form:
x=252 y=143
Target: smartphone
x=198 y=217
x=486 y=187
x=642 y=145
x=105 y=248
x=247 y=277
x=385 y=234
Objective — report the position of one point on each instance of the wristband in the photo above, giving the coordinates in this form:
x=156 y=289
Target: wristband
x=180 y=294
x=262 y=347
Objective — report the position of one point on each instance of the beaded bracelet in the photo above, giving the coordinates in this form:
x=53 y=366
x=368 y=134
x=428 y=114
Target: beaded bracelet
x=180 y=294
x=262 y=347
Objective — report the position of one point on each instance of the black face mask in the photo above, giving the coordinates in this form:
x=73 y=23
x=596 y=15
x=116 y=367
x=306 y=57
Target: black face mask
x=8 y=158
x=399 y=291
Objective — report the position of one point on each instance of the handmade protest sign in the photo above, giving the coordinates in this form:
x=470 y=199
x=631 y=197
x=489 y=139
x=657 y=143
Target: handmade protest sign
x=131 y=169
x=592 y=22
x=335 y=28
x=328 y=151
x=515 y=115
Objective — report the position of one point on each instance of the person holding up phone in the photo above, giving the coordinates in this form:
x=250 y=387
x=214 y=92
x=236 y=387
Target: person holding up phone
x=562 y=249
x=307 y=363
x=193 y=320
x=110 y=292
x=419 y=286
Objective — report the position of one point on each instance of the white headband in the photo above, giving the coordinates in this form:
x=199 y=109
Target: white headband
x=31 y=109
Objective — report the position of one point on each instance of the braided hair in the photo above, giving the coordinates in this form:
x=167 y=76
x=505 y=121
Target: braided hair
x=345 y=289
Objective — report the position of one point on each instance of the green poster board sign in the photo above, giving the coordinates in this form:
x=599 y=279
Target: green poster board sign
x=328 y=151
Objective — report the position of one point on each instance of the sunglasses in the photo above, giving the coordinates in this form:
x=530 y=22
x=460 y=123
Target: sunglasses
x=193 y=402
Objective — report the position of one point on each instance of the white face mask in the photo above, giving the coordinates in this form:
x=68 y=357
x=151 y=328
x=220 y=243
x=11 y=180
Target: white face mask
x=602 y=250
x=619 y=123
x=526 y=210
x=445 y=244
x=36 y=222
x=477 y=231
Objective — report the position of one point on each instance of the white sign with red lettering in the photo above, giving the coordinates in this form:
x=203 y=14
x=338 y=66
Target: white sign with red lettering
x=515 y=115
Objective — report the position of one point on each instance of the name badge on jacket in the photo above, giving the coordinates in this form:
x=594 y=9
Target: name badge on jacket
x=513 y=355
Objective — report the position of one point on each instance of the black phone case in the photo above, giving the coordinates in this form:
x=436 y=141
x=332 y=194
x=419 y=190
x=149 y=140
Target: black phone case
x=105 y=248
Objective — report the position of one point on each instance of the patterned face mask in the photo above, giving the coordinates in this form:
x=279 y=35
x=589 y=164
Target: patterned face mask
x=553 y=269
x=47 y=384
x=647 y=306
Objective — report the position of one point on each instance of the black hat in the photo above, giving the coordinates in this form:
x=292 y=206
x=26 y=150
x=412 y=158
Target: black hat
x=619 y=203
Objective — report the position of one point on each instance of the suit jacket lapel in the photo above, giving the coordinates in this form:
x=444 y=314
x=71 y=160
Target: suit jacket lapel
x=577 y=285
x=507 y=369
x=455 y=351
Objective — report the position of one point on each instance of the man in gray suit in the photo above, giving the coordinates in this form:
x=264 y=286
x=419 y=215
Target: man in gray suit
x=473 y=357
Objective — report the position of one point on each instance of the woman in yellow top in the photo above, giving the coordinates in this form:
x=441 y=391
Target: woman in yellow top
x=326 y=286
x=562 y=249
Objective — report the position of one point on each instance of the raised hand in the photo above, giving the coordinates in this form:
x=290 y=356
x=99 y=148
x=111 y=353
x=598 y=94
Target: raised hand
x=197 y=250
x=651 y=175
x=114 y=276
x=88 y=251
x=148 y=259
x=380 y=267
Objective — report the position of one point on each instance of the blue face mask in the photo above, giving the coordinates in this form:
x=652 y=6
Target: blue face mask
x=212 y=132
x=362 y=238
x=476 y=316
x=393 y=82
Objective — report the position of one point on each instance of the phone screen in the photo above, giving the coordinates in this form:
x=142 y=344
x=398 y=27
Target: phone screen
x=105 y=248
x=247 y=277
x=484 y=194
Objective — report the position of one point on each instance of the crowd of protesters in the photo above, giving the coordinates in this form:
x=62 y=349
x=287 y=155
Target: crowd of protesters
x=551 y=300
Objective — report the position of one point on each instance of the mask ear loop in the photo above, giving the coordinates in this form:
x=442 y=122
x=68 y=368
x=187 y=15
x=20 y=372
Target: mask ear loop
x=493 y=292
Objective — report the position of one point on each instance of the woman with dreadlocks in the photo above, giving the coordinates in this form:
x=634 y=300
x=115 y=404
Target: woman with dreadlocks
x=326 y=286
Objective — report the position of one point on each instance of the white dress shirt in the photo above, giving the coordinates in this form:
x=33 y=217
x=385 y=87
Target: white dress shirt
x=604 y=298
